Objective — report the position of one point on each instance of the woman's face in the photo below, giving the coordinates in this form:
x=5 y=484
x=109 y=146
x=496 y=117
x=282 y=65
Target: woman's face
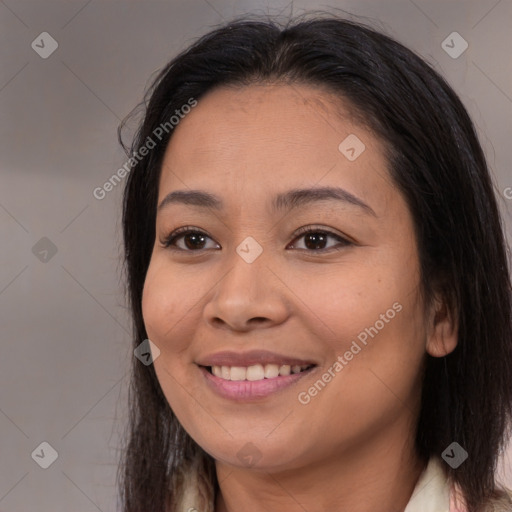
x=344 y=298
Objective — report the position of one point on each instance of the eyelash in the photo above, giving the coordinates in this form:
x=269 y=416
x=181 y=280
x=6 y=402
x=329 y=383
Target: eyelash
x=170 y=239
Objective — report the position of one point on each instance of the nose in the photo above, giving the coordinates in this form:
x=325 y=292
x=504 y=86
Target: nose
x=248 y=296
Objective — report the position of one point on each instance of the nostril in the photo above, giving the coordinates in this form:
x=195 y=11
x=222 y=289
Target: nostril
x=258 y=319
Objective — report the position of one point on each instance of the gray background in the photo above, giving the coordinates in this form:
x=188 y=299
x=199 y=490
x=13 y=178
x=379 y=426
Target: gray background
x=65 y=330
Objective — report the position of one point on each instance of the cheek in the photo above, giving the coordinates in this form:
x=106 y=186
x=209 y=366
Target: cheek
x=167 y=308
x=376 y=329
x=169 y=300
x=372 y=318
x=342 y=302
x=389 y=344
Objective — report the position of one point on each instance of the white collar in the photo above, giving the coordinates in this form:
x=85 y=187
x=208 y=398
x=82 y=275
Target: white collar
x=432 y=491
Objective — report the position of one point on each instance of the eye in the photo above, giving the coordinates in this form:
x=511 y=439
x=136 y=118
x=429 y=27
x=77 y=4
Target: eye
x=193 y=238
x=314 y=237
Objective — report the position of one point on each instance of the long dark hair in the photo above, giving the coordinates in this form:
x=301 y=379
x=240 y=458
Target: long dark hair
x=436 y=162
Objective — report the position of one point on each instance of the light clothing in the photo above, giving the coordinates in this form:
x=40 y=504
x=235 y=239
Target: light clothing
x=433 y=492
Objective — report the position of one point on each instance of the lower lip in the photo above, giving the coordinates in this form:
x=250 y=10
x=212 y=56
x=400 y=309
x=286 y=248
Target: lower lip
x=245 y=390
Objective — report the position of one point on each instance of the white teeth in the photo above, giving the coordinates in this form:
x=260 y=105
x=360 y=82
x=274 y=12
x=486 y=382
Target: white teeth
x=255 y=372
x=238 y=373
x=285 y=369
x=271 y=371
x=225 y=372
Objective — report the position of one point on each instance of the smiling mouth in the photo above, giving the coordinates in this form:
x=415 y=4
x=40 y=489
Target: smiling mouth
x=256 y=372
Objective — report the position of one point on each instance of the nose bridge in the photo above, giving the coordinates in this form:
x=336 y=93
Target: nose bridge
x=243 y=282
x=246 y=291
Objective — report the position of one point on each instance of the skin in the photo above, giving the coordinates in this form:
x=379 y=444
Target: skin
x=350 y=447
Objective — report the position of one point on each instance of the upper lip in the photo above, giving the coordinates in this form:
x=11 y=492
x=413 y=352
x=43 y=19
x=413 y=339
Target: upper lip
x=249 y=358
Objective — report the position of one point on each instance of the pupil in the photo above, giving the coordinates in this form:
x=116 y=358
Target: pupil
x=315 y=238
x=196 y=240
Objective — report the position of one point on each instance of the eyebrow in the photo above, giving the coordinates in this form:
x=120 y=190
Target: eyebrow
x=283 y=201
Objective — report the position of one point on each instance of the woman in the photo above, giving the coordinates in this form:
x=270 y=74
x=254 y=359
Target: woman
x=314 y=249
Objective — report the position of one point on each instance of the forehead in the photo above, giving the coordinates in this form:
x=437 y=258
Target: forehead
x=262 y=136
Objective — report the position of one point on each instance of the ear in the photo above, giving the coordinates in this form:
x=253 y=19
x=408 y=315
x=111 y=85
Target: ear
x=442 y=328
